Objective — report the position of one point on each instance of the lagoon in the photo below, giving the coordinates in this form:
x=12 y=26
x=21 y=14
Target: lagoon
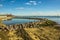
x=21 y=21
x=18 y=21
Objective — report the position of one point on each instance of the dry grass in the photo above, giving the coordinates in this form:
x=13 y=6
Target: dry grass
x=43 y=33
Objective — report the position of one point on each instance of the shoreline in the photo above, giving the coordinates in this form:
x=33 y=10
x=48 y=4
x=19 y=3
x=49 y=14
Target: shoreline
x=36 y=24
x=36 y=29
x=40 y=20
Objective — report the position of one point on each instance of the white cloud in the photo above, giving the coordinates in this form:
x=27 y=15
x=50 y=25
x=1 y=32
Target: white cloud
x=49 y=13
x=43 y=13
x=31 y=3
x=34 y=3
x=28 y=3
x=40 y=13
x=20 y=8
x=1 y=5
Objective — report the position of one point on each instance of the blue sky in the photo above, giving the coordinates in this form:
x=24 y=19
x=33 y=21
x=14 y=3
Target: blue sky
x=30 y=7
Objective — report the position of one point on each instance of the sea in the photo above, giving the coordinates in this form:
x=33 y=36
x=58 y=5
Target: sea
x=21 y=21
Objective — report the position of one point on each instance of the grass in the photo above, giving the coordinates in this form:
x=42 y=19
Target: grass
x=43 y=33
x=2 y=25
x=48 y=23
x=3 y=35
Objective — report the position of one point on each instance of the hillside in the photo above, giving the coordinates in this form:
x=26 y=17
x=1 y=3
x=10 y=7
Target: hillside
x=31 y=31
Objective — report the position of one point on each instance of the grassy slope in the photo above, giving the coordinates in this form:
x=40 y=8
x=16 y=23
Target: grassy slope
x=43 y=33
x=3 y=35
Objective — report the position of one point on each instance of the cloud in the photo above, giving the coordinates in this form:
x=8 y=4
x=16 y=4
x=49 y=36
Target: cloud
x=40 y=13
x=34 y=3
x=31 y=3
x=43 y=13
x=1 y=5
x=28 y=3
x=20 y=8
x=48 y=13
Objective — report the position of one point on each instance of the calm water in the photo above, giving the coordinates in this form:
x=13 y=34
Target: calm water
x=53 y=18
x=19 y=21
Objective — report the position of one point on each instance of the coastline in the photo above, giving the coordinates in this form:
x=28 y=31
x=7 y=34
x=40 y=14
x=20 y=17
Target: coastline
x=24 y=31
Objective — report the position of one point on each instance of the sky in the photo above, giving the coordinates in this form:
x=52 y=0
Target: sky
x=30 y=7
